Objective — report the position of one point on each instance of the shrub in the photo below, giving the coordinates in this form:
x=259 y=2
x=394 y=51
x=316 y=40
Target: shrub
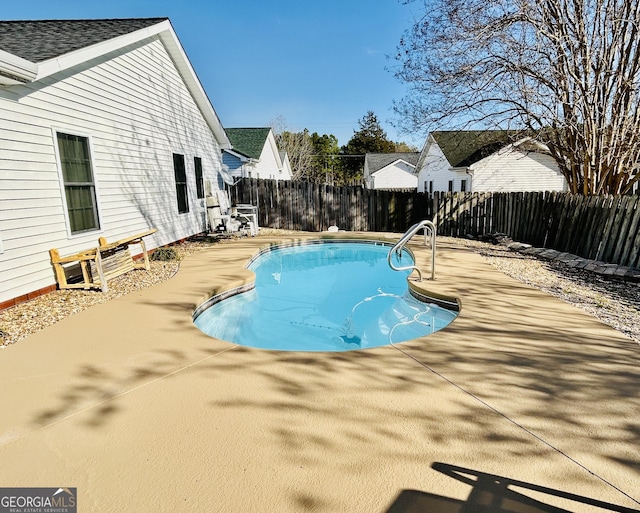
x=164 y=254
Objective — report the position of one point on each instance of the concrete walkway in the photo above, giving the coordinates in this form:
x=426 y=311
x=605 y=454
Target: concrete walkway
x=523 y=400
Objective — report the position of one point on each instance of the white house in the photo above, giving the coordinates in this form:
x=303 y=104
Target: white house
x=105 y=131
x=391 y=170
x=286 y=164
x=486 y=161
x=255 y=154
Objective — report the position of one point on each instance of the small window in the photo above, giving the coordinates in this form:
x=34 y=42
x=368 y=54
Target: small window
x=463 y=185
x=79 y=184
x=450 y=185
x=197 y=163
x=181 y=183
x=431 y=187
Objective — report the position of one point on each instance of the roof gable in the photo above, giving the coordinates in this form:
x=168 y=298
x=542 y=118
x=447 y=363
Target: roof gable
x=41 y=40
x=376 y=161
x=248 y=141
x=86 y=40
x=396 y=167
x=465 y=147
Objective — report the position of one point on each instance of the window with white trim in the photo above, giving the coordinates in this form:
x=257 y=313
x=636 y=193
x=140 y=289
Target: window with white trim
x=463 y=185
x=79 y=182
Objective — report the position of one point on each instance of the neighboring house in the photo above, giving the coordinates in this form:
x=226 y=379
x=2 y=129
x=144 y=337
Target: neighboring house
x=391 y=170
x=486 y=161
x=286 y=164
x=105 y=131
x=255 y=154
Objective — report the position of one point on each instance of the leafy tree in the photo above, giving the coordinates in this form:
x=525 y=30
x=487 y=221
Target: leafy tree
x=564 y=71
x=370 y=138
x=318 y=158
x=327 y=163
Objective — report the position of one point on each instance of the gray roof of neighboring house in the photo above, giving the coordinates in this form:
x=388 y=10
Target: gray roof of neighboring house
x=40 y=40
x=465 y=147
x=248 y=141
x=376 y=161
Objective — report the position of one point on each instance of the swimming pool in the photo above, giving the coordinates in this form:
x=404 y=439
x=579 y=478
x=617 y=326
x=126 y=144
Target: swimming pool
x=323 y=296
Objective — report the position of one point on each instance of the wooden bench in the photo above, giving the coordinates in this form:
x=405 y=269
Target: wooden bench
x=101 y=264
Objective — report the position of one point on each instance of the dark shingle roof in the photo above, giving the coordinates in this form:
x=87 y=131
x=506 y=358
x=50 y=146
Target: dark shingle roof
x=40 y=40
x=465 y=147
x=376 y=161
x=248 y=141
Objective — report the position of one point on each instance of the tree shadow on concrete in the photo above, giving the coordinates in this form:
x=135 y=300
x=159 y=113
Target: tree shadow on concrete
x=540 y=377
x=96 y=389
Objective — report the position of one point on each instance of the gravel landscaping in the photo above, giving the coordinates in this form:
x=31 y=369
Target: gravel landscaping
x=24 y=319
x=614 y=302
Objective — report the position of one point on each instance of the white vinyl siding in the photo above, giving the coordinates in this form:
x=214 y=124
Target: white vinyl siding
x=435 y=169
x=512 y=170
x=398 y=175
x=139 y=112
x=287 y=173
x=269 y=165
x=509 y=170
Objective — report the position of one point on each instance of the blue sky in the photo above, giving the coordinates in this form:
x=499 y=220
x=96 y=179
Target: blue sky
x=319 y=65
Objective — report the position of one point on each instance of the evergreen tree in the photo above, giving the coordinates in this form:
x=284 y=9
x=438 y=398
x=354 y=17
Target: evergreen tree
x=370 y=138
x=327 y=167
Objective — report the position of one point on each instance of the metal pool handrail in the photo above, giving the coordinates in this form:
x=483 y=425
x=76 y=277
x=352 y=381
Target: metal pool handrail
x=429 y=229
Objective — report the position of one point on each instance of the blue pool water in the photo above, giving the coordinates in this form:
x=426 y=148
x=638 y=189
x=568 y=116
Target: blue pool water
x=329 y=296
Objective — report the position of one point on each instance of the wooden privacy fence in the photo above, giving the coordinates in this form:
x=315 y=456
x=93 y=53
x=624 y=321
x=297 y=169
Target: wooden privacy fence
x=604 y=228
x=314 y=207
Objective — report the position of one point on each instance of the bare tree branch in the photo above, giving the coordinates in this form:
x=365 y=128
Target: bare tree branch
x=298 y=147
x=565 y=71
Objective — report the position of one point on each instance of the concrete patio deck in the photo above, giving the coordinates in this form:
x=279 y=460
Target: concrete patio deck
x=521 y=396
